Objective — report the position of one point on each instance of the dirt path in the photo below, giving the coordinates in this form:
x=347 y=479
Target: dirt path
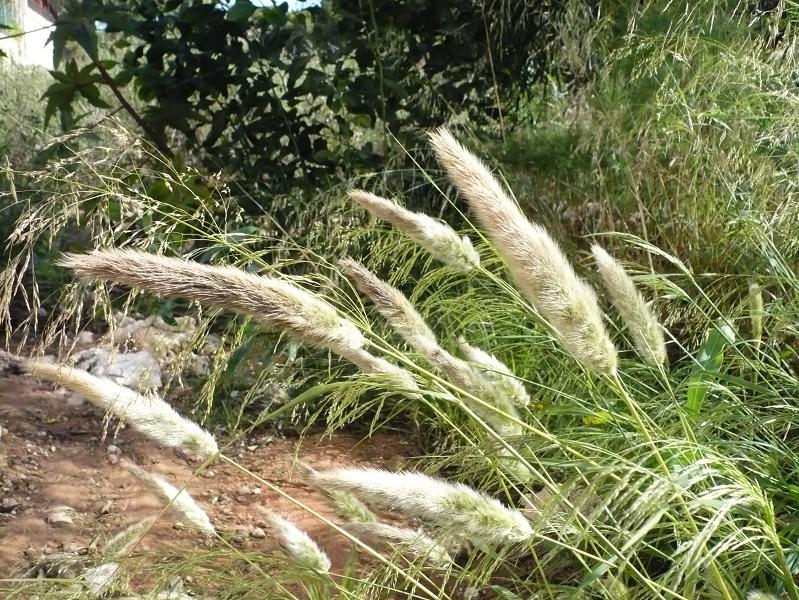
x=52 y=455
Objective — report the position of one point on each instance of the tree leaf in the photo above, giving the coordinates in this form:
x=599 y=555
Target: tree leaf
x=241 y=11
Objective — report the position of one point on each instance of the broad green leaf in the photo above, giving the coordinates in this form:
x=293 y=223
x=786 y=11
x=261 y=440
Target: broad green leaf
x=708 y=362
x=241 y=11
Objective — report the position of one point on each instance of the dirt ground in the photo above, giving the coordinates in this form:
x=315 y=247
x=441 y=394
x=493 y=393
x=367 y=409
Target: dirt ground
x=52 y=455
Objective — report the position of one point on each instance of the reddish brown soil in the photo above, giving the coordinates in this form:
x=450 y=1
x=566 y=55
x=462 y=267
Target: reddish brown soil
x=53 y=455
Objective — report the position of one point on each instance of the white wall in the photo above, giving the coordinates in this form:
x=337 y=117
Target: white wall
x=29 y=49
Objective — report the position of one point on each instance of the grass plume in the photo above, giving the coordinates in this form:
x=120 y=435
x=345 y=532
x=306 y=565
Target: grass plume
x=454 y=509
x=439 y=239
x=644 y=327
x=149 y=415
x=180 y=502
x=536 y=262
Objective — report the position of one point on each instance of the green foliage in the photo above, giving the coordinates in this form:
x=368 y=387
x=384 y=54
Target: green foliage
x=682 y=132
x=279 y=99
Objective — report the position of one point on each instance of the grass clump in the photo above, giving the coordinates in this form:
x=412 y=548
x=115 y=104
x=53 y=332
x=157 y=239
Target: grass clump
x=562 y=460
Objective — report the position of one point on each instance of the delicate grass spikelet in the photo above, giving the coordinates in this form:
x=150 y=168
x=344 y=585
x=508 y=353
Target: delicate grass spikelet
x=758 y=595
x=458 y=511
x=297 y=543
x=413 y=541
x=180 y=502
x=536 y=262
x=644 y=328
x=123 y=542
x=149 y=414
x=496 y=372
x=439 y=239
x=275 y=303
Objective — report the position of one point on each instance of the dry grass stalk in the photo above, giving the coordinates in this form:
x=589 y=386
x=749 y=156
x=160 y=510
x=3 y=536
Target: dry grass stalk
x=439 y=239
x=536 y=262
x=644 y=327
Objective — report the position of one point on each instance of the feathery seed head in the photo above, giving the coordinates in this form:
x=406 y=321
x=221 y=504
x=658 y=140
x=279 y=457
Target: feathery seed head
x=496 y=373
x=297 y=543
x=413 y=541
x=439 y=239
x=455 y=509
x=536 y=262
x=180 y=502
x=275 y=303
x=149 y=415
x=758 y=595
x=644 y=327
x=392 y=304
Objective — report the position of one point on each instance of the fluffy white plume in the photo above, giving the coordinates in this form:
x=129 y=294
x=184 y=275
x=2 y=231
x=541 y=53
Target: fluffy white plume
x=496 y=373
x=458 y=511
x=297 y=543
x=148 y=414
x=439 y=239
x=536 y=262
x=644 y=327
x=179 y=502
x=413 y=541
x=390 y=302
x=275 y=303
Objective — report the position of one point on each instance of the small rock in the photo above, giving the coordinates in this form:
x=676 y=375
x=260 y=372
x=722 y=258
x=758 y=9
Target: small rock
x=255 y=491
x=258 y=533
x=60 y=516
x=113 y=449
x=8 y=504
x=113 y=459
x=244 y=490
x=209 y=474
x=106 y=507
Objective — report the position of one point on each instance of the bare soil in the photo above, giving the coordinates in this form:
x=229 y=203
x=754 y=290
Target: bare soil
x=54 y=455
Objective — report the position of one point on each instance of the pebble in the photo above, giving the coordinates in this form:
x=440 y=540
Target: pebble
x=9 y=503
x=113 y=459
x=106 y=507
x=60 y=516
x=113 y=449
x=258 y=533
